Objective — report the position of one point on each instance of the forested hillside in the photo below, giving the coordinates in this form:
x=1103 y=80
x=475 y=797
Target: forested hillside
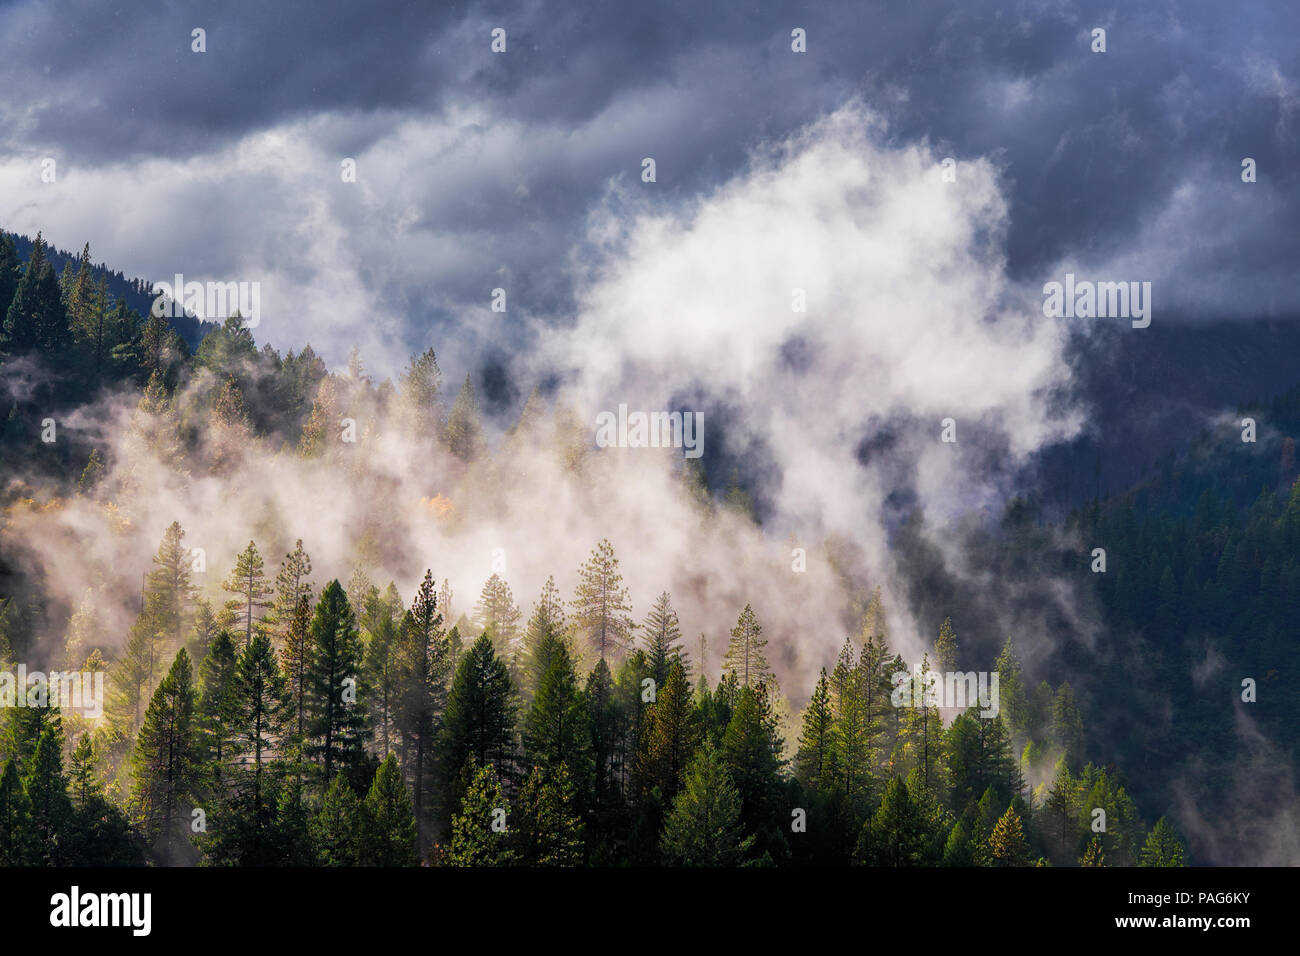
x=260 y=712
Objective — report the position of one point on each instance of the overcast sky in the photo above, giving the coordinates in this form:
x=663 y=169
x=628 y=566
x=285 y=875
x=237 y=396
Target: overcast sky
x=478 y=170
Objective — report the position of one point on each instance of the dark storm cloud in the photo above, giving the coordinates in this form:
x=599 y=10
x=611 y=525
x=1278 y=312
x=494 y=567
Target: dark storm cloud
x=110 y=81
x=1124 y=160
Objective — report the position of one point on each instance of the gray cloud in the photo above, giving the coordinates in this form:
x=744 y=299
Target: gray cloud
x=481 y=169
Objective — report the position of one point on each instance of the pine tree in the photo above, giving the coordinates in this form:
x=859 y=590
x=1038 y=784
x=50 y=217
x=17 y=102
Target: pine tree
x=1062 y=809
x=876 y=667
x=704 y=827
x=82 y=630
x=15 y=819
x=545 y=631
x=390 y=821
x=977 y=752
x=165 y=761
x=444 y=608
x=99 y=307
x=480 y=713
x=168 y=591
x=81 y=299
x=337 y=830
x=424 y=669
x=335 y=718
x=496 y=615
x=1162 y=847
x=601 y=609
x=119 y=335
x=230 y=428
x=557 y=729
x=227 y=348
x=155 y=428
x=261 y=693
x=476 y=839
x=662 y=634
x=157 y=348
x=98 y=833
x=1093 y=854
x=752 y=748
x=295 y=658
x=360 y=587
x=6 y=650
x=455 y=648
x=945 y=648
x=630 y=703
x=324 y=419
x=384 y=666
x=292 y=584
x=131 y=678
x=725 y=696
x=875 y=627
x=10 y=273
x=463 y=433
x=217 y=710
x=603 y=715
x=528 y=426
x=1014 y=703
x=1067 y=725
x=813 y=763
x=36 y=320
x=293 y=827
x=83 y=783
x=905 y=830
x=91 y=475
x=744 y=656
x=1007 y=845
x=248 y=581
x=47 y=796
x=853 y=729
x=23 y=726
x=1119 y=841
x=998 y=767
x=958 y=851
x=548 y=829
x=923 y=725
x=669 y=737
x=420 y=385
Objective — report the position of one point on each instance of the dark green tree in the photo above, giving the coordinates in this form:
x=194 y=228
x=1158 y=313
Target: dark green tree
x=480 y=713
x=548 y=828
x=601 y=608
x=662 y=635
x=337 y=831
x=1162 y=847
x=745 y=657
x=669 y=737
x=813 y=762
x=751 y=749
x=424 y=671
x=547 y=622
x=1007 y=845
x=249 y=583
x=463 y=433
x=166 y=763
x=391 y=838
x=335 y=726
x=15 y=819
x=704 y=827
x=217 y=711
x=36 y=320
x=557 y=728
x=47 y=796
x=479 y=830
